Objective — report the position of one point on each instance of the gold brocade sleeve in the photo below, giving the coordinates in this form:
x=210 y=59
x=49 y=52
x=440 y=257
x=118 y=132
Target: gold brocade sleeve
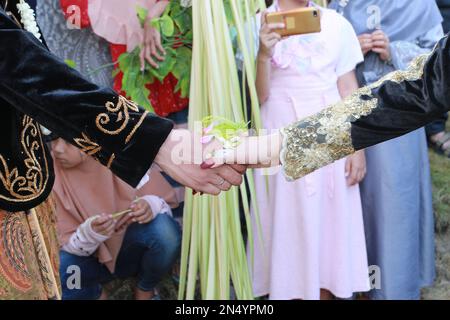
x=323 y=138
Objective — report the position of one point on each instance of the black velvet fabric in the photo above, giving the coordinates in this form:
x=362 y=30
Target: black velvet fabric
x=36 y=85
x=409 y=105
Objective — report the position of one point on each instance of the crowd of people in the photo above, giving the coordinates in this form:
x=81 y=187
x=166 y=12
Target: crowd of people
x=372 y=209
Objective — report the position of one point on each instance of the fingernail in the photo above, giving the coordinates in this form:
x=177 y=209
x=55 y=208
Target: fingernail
x=206 y=165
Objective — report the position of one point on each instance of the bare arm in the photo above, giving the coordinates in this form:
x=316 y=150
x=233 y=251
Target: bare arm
x=267 y=42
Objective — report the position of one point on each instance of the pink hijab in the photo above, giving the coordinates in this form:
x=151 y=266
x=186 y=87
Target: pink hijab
x=90 y=189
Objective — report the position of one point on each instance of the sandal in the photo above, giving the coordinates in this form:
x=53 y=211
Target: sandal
x=438 y=146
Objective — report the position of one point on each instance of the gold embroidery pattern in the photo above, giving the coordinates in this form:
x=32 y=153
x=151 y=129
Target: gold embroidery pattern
x=30 y=185
x=144 y=115
x=319 y=140
x=87 y=145
x=121 y=110
x=110 y=161
x=122 y=113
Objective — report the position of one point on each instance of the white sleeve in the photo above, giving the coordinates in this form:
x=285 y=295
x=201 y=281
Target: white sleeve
x=84 y=241
x=350 y=54
x=158 y=205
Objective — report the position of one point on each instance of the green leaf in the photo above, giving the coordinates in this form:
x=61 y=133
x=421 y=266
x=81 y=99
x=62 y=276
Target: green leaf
x=71 y=63
x=167 y=26
x=166 y=66
x=182 y=18
x=140 y=93
x=142 y=14
x=182 y=70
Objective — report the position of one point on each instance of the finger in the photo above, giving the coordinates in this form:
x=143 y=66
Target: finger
x=272 y=43
x=153 y=51
x=366 y=47
x=123 y=222
x=123 y=219
x=150 y=60
x=379 y=50
x=137 y=205
x=379 y=37
x=209 y=189
x=101 y=228
x=142 y=58
x=239 y=168
x=138 y=214
x=146 y=218
x=222 y=183
x=380 y=44
x=273 y=36
x=379 y=33
x=110 y=230
x=227 y=173
x=159 y=44
x=275 y=26
x=100 y=220
x=264 y=19
x=348 y=167
x=365 y=36
x=354 y=177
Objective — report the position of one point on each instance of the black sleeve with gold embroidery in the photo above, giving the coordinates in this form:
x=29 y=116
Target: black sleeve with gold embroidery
x=399 y=103
x=107 y=126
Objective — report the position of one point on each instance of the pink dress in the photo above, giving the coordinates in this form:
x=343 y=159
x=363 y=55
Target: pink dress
x=313 y=234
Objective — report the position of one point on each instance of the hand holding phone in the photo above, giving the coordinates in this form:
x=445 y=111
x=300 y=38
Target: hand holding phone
x=296 y=22
x=268 y=38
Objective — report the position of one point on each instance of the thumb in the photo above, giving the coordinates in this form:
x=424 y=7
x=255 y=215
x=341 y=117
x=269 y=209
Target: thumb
x=264 y=17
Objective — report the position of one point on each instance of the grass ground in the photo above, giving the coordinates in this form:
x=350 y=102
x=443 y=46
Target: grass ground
x=440 y=171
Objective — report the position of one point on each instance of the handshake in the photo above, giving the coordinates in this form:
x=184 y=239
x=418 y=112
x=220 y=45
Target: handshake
x=209 y=167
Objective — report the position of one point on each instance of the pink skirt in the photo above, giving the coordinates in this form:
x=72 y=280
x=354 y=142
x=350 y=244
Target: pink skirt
x=312 y=229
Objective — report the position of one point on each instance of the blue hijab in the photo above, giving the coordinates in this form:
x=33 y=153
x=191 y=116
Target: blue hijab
x=400 y=20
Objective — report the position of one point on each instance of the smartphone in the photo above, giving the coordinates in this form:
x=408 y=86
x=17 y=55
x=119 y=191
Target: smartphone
x=296 y=22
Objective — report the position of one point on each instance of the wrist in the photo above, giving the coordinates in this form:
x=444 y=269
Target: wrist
x=264 y=57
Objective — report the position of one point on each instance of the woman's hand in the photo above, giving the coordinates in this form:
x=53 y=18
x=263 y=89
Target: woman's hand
x=366 y=43
x=104 y=225
x=141 y=212
x=268 y=38
x=152 y=47
x=381 y=45
x=355 y=168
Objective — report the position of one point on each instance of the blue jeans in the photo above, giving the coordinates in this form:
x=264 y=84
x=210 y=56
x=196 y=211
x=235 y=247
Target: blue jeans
x=148 y=251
